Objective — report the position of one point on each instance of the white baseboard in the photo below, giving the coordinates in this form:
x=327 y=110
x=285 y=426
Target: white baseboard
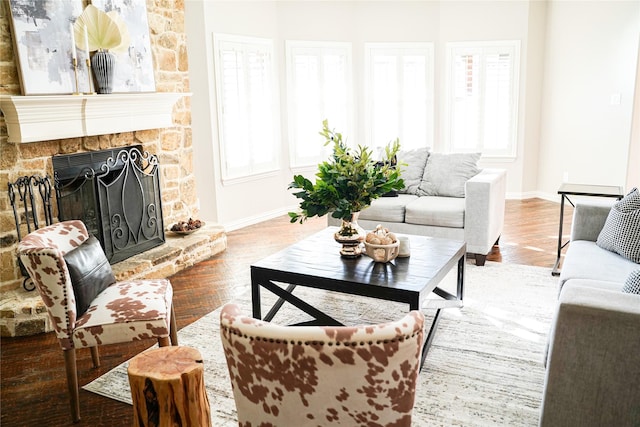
x=533 y=195
x=252 y=220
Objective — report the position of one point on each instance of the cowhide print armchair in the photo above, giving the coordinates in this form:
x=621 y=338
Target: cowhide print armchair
x=322 y=375
x=124 y=311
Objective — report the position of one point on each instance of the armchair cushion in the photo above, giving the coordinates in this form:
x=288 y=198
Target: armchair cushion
x=447 y=174
x=90 y=272
x=621 y=231
x=126 y=311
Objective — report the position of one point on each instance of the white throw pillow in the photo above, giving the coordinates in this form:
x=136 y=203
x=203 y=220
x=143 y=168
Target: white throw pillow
x=412 y=164
x=446 y=174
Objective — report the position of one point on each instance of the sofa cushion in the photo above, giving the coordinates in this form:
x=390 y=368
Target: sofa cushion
x=89 y=271
x=391 y=209
x=586 y=260
x=621 y=231
x=446 y=174
x=632 y=284
x=412 y=164
x=436 y=211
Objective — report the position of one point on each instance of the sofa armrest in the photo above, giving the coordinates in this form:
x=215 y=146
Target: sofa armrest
x=484 y=209
x=593 y=368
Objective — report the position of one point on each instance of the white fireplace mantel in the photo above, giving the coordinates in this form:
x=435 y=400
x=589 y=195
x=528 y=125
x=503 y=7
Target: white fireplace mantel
x=43 y=118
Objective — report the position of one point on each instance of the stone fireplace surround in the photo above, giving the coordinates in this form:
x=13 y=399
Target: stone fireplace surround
x=21 y=312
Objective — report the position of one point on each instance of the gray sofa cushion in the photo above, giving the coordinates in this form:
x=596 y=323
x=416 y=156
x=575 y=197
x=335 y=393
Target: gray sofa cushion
x=621 y=231
x=391 y=209
x=412 y=164
x=595 y=284
x=586 y=260
x=436 y=211
x=446 y=174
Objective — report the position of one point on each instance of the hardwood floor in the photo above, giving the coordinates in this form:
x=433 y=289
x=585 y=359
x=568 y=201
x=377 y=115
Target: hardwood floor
x=33 y=387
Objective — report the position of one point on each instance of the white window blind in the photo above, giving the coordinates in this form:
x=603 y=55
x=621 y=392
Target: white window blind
x=399 y=94
x=482 y=97
x=318 y=88
x=247 y=108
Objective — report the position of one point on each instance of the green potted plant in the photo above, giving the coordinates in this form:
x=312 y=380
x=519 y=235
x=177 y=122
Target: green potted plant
x=345 y=184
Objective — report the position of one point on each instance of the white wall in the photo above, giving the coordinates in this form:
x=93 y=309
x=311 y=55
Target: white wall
x=558 y=114
x=500 y=20
x=241 y=203
x=591 y=55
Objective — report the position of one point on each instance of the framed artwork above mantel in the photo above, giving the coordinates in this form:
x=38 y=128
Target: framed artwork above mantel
x=134 y=68
x=43 y=47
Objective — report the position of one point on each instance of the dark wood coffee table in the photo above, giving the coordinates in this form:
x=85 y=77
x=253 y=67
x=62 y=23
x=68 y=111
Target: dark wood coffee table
x=316 y=263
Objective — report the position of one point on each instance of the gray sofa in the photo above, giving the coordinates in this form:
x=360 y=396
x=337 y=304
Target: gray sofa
x=446 y=195
x=593 y=362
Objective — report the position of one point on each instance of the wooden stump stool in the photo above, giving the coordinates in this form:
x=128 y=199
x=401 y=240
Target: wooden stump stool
x=167 y=388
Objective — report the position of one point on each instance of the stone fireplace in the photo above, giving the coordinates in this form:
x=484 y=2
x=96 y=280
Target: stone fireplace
x=22 y=312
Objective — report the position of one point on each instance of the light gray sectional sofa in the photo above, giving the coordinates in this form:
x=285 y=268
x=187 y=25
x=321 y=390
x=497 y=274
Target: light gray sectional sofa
x=445 y=195
x=593 y=362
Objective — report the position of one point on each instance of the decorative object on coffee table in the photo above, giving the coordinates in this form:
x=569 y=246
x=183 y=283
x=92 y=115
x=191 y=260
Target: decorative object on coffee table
x=381 y=245
x=350 y=236
x=346 y=184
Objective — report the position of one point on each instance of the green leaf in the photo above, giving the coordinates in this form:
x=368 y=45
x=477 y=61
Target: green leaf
x=348 y=181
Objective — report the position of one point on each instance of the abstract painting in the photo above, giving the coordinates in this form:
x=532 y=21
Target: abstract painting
x=134 y=68
x=43 y=46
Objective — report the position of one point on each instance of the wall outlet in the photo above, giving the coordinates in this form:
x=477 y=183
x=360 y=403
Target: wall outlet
x=565 y=177
x=615 y=98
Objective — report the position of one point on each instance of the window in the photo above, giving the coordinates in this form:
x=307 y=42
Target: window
x=399 y=91
x=247 y=107
x=482 y=97
x=318 y=88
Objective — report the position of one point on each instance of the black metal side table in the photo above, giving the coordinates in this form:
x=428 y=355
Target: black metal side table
x=567 y=190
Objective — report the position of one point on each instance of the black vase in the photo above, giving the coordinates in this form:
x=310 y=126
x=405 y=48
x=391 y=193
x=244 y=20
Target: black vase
x=103 y=64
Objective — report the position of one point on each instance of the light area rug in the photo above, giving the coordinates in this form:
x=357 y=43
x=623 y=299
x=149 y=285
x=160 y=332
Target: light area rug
x=484 y=367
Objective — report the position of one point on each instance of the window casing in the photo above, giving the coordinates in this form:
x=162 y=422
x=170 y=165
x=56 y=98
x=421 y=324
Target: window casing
x=318 y=87
x=399 y=94
x=247 y=105
x=482 y=97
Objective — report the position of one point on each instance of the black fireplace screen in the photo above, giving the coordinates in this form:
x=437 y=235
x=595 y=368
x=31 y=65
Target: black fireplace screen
x=116 y=193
